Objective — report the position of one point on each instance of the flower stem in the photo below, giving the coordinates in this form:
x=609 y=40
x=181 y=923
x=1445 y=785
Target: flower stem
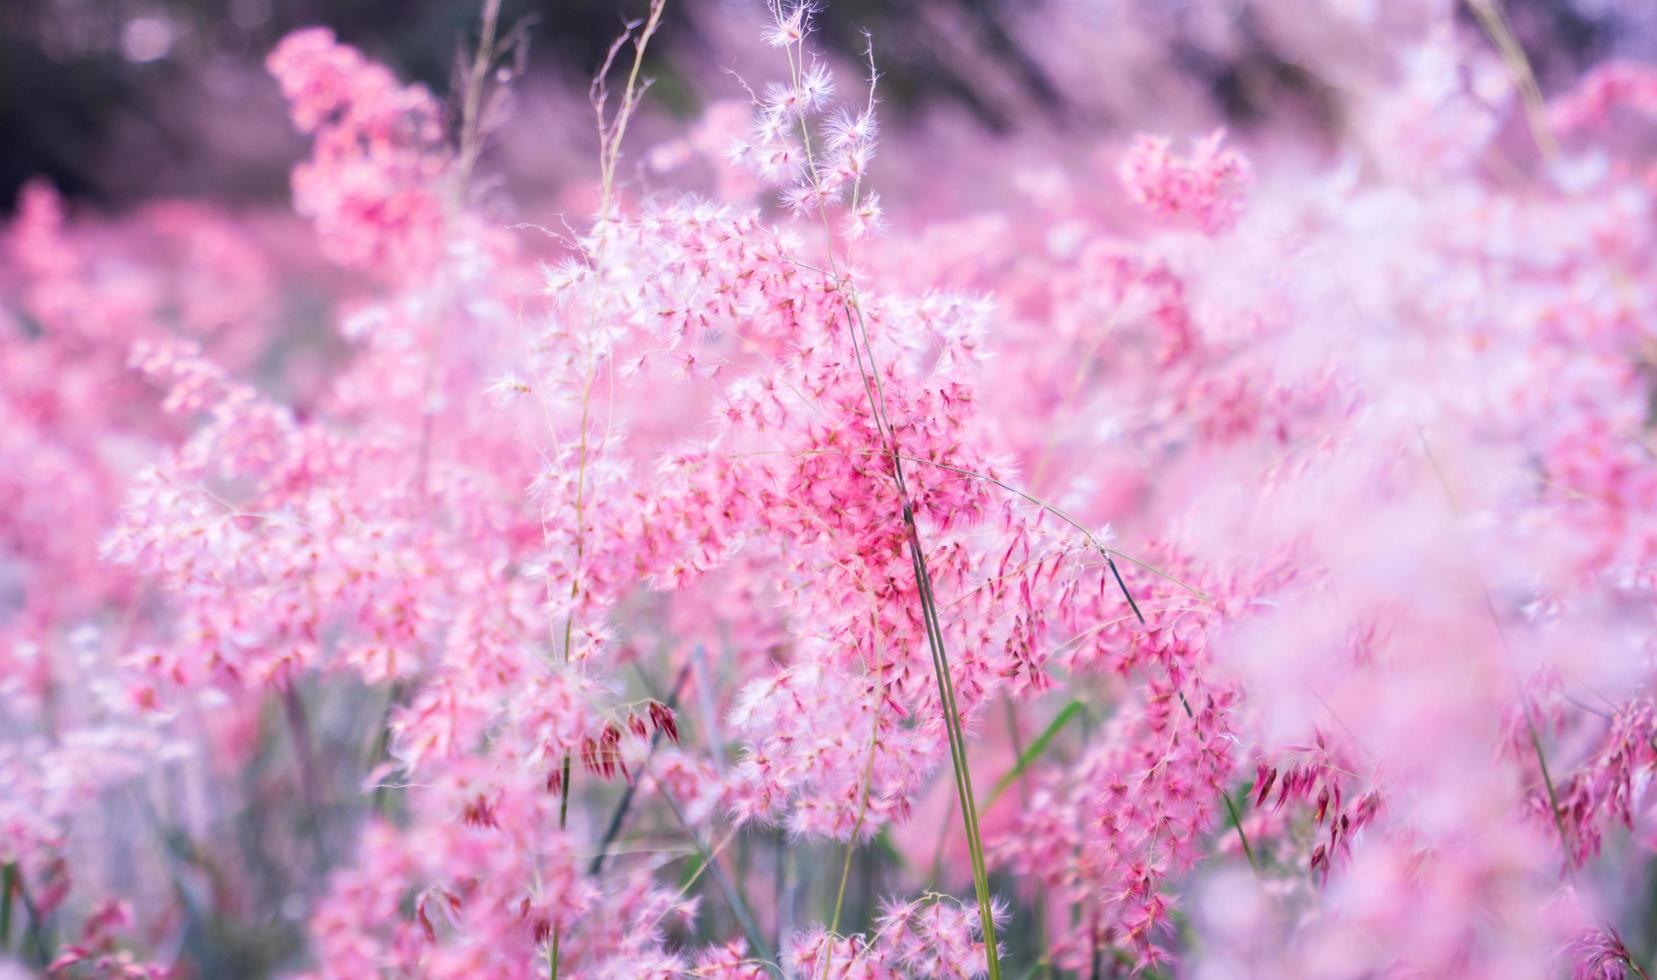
x=8 y=879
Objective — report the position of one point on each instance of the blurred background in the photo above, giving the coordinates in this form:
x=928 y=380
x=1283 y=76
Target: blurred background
x=118 y=100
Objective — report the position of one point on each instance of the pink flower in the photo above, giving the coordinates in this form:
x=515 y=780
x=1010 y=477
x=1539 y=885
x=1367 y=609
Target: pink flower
x=1205 y=189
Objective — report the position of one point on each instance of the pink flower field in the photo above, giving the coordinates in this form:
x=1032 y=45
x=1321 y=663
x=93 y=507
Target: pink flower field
x=1184 y=505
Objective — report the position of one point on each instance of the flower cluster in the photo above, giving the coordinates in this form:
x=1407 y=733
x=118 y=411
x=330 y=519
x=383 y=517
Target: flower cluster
x=376 y=150
x=1205 y=190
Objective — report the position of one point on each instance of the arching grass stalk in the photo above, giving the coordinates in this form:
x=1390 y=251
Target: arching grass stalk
x=870 y=375
x=1491 y=17
x=1105 y=551
x=858 y=335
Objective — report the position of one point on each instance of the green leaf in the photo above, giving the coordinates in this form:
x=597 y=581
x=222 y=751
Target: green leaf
x=1035 y=749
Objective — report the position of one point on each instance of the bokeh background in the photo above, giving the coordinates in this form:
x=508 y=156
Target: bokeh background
x=119 y=100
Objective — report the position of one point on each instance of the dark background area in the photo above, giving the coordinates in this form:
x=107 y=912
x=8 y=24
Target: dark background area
x=83 y=82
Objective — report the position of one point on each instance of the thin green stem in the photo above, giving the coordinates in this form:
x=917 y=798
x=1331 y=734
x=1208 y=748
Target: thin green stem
x=863 y=800
x=958 y=750
x=610 y=138
x=1507 y=653
x=1547 y=781
x=733 y=895
x=309 y=778
x=8 y=883
x=36 y=935
x=873 y=388
x=613 y=829
x=1237 y=821
x=1231 y=808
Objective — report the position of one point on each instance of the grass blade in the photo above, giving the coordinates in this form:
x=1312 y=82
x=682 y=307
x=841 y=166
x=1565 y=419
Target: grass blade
x=1034 y=750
